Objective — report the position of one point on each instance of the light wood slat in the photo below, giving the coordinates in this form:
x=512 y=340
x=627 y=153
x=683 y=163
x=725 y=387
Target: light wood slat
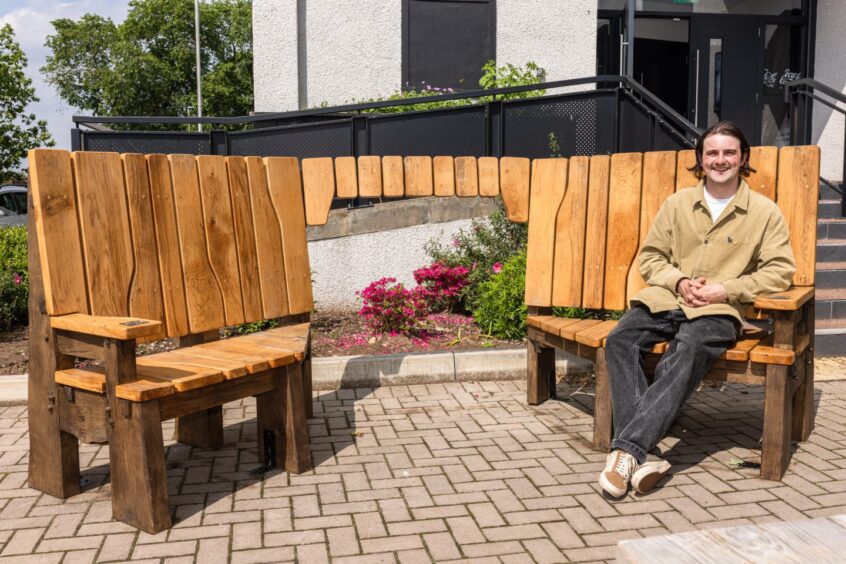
x=167 y=243
x=123 y=328
x=370 y=177
x=570 y=236
x=271 y=263
x=57 y=225
x=789 y=300
x=318 y=189
x=466 y=177
x=444 y=172
x=597 y=218
x=145 y=295
x=252 y=364
x=489 y=176
x=660 y=348
x=765 y=162
x=515 y=187
x=220 y=234
x=623 y=228
x=659 y=182
x=570 y=331
x=202 y=293
x=291 y=344
x=684 y=177
x=230 y=368
x=551 y=324
x=104 y=224
x=418 y=176
x=283 y=182
x=245 y=237
x=82 y=379
x=595 y=336
x=392 y=184
x=93 y=379
x=740 y=350
x=771 y=355
x=549 y=182
x=276 y=357
x=798 y=189
x=183 y=377
x=346 y=184
x=299 y=330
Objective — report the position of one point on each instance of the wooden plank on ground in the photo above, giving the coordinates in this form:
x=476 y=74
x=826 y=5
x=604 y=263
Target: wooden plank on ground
x=318 y=189
x=392 y=185
x=593 y=287
x=797 y=193
x=623 y=226
x=549 y=183
x=57 y=225
x=765 y=162
x=444 y=172
x=104 y=224
x=489 y=176
x=466 y=177
x=418 y=176
x=515 y=187
x=346 y=185
x=570 y=237
x=685 y=177
x=245 y=237
x=370 y=177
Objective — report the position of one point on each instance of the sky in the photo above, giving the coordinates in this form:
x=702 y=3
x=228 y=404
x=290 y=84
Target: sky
x=31 y=22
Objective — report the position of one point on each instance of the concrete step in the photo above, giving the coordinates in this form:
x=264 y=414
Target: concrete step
x=831 y=250
x=830 y=303
x=831 y=228
x=830 y=275
x=829 y=209
x=830 y=337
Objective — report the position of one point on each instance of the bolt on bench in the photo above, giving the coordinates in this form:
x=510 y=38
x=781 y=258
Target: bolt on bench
x=587 y=217
x=132 y=248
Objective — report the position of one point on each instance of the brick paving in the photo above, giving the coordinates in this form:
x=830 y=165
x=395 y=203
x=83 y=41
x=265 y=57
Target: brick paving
x=461 y=471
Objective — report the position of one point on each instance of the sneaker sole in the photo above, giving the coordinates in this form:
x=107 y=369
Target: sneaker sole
x=610 y=488
x=648 y=482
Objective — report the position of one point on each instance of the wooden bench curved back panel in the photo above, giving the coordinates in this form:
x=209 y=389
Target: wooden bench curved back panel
x=597 y=220
x=623 y=226
x=549 y=184
x=797 y=194
x=245 y=236
x=570 y=235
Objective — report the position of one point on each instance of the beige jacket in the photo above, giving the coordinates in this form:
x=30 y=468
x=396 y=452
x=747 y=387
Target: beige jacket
x=747 y=250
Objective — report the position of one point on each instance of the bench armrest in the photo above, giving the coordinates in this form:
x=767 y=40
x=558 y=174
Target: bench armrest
x=121 y=328
x=790 y=300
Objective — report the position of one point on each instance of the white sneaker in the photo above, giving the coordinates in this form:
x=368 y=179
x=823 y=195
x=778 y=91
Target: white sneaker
x=619 y=467
x=648 y=475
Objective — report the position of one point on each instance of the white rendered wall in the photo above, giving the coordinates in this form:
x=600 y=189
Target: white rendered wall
x=275 y=55
x=830 y=69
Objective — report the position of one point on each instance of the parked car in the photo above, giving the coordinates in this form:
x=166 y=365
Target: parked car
x=12 y=205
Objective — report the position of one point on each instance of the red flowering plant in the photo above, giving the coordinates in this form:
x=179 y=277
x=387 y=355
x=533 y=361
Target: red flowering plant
x=389 y=307
x=441 y=285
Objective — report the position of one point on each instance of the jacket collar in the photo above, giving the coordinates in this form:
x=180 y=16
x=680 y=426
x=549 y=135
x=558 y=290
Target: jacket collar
x=740 y=201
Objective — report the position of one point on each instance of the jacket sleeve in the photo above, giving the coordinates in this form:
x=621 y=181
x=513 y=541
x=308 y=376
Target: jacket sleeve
x=774 y=267
x=655 y=259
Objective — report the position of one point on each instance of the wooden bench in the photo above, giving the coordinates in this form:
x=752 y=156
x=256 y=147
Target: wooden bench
x=132 y=248
x=587 y=218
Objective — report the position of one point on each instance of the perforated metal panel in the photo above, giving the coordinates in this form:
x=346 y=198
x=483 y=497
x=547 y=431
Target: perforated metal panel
x=443 y=132
x=146 y=142
x=332 y=139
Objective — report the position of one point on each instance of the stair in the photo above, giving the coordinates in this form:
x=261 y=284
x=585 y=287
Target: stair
x=830 y=331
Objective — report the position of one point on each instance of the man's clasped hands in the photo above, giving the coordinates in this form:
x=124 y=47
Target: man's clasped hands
x=697 y=292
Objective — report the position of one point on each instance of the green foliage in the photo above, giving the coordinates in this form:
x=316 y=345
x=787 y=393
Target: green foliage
x=500 y=308
x=146 y=65
x=14 y=277
x=13 y=255
x=253 y=327
x=19 y=130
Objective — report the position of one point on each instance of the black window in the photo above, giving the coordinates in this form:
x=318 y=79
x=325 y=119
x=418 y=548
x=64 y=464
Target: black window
x=446 y=42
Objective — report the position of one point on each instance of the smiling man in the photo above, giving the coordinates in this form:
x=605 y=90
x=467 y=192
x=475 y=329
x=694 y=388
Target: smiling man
x=711 y=250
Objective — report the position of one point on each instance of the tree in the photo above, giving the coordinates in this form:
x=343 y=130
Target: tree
x=146 y=65
x=19 y=131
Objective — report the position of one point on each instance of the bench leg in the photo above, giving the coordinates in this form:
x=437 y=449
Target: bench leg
x=602 y=414
x=307 y=387
x=270 y=423
x=775 y=450
x=803 y=399
x=540 y=372
x=298 y=458
x=203 y=429
x=139 y=478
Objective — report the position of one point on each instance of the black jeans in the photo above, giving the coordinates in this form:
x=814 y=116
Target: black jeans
x=643 y=413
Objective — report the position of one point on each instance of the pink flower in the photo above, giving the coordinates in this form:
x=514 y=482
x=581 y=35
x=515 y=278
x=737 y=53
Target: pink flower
x=497 y=267
x=18 y=279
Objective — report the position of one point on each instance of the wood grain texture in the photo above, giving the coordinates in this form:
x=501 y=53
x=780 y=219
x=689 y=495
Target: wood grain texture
x=790 y=300
x=568 y=259
x=283 y=182
x=104 y=224
x=271 y=263
x=570 y=331
x=466 y=177
x=418 y=176
x=298 y=455
x=798 y=189
x=202 y=293
x=370 y=177
x=765 y=162
x=123 y=328
x=318 y=189
x=245 y=237
x=346 y=183
x=252 y=364
x=57 y=227
x=597 y=220
x=594 y=336
x=603 y=421
x=270 y=424
x=540 y=369
x=392 y=183
x=219 y=226
x=444 y=173
x=549 y=183
x=515 y=187
x=489 y=176
x=684 y=177
x=623 y=226
x=167 y=245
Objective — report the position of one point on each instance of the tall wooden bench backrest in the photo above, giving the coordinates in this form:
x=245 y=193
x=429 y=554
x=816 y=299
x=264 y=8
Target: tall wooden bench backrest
x=589 y=215
x=196 y=242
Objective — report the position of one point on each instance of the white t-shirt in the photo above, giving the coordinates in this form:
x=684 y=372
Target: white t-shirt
x=716 y=205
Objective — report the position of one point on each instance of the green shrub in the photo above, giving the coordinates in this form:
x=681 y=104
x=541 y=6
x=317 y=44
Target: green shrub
x=500 y=309
x=13 y=257
x=14 y=278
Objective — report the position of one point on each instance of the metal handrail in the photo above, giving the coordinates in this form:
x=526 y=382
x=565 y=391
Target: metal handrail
x=818 y=86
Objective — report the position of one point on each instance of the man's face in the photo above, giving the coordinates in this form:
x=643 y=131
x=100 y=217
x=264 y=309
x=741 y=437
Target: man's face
x=721 y=158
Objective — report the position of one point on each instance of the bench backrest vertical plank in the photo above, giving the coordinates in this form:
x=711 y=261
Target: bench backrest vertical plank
x=684 y=177
x=489 y=175
x=418 y=176
x=318 y=189
x=370 y=177
x=798 y=189
x=271 y=263
x=659 y=183
x=597 y=219
x=202 y=293
x=145 y=295
x=549 y=183
x=570 y=237
x=245 y=237
x=284 y=184
x=515 y=188
x=444 y=173
x=104 y=225
x=392 y=186
x=167 y=241
x=466 y=177
x=346 y=185
x=765 y=162
x=623 y=228
x=57 y=225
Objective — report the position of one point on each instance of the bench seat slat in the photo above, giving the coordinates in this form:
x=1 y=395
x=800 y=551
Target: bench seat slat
x=276 y=356
x=551 y=324
x=569 y=332
x=94 y=379
x=252 y=364
x=230 y=369
x=595 y=335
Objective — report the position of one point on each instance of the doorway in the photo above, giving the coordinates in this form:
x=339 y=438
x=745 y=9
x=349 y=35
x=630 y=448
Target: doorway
x=661 y=53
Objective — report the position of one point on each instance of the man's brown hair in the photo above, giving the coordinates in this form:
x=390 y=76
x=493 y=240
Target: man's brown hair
x=723 y=128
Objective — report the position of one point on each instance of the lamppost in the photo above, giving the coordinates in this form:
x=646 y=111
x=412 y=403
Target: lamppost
x=197 y=46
